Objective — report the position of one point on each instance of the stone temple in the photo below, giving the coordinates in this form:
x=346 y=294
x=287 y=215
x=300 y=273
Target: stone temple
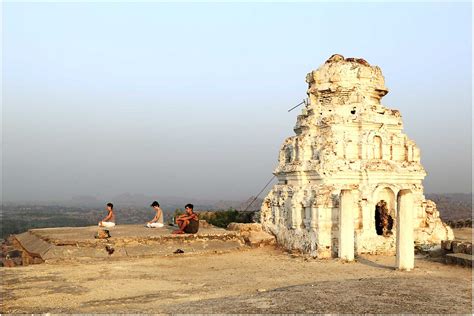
x=350 y=176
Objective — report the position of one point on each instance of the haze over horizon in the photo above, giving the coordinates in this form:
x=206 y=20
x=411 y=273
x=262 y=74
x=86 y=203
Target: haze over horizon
x=191 y=100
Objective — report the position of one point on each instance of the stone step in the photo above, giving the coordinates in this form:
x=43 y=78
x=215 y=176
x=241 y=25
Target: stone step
x=461 y=259
x=457 y=246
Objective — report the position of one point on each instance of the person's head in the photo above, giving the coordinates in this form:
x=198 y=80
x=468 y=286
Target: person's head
x=155 y=204
x=189 y=208
x=110 y=206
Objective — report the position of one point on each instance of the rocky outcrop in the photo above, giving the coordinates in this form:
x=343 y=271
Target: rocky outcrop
x=253 y=234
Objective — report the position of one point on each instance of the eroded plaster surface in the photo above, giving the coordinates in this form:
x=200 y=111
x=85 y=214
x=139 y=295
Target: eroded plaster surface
x=345 y=139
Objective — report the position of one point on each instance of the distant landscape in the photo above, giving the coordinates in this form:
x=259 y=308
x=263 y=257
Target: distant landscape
x=129 y=209
x=132 y=209
x=452 y=207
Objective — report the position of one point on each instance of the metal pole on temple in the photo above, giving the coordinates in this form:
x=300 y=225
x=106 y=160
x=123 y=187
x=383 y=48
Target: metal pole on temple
x=304 y=101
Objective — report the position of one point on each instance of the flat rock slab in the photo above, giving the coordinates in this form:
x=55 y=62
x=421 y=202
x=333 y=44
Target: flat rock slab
x=461 y=259
x=33 y=245
x=125 y=240
x=76 y=235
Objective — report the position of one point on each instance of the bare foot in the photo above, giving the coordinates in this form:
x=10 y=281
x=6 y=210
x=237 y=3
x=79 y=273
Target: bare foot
x=178 y=231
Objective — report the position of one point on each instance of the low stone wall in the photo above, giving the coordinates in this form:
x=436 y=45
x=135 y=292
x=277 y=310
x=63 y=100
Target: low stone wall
x=457 y=246
x=457 y=252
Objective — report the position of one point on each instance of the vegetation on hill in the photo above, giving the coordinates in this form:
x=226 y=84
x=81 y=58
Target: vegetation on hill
x=222 y=218
x=18 y=219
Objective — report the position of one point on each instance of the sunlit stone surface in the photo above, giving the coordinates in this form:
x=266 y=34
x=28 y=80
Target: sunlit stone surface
x=347 y=140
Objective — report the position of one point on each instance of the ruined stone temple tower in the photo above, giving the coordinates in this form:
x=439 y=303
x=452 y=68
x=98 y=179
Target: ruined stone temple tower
x=348 y=144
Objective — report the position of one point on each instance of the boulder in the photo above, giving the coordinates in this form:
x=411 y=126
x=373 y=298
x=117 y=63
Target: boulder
x=252 y=234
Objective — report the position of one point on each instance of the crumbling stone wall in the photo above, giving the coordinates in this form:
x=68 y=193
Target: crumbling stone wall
x=345 y=139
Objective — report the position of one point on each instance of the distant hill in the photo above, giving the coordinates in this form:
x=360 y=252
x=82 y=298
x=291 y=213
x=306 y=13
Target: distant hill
x=240 y=205
x=256 y=205
x=88 y=210
x=134 y=209
x=167 y=202
x=455 y=206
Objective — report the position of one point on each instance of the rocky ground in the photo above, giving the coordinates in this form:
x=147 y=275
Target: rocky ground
x=263 y=280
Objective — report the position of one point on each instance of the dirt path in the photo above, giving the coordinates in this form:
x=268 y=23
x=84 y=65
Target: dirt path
x=255 y=281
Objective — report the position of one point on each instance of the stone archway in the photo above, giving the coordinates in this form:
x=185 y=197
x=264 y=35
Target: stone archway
x=404 y=235
x=374 y=145
x=377 y=147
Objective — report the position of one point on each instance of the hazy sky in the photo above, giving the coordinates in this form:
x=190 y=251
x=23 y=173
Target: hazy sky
x=191 y=99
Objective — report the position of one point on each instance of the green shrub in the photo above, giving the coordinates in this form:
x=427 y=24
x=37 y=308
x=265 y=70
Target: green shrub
x=224 y=218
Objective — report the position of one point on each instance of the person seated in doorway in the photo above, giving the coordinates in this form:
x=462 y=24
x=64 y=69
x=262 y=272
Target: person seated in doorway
x=109 y=220
x=188 y=223
x=157 y=221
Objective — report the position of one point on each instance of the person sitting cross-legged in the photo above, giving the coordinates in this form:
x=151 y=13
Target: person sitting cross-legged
x=188 y=223
x=157 y=221
x=109 y=220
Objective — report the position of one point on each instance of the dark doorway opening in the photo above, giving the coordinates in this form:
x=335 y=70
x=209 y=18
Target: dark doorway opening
x=383 y=219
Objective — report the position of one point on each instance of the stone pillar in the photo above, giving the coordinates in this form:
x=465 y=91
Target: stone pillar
x=367 y=216
x=287 y=215
x=314 y=216
x=297 y=149
x=386 y=151
x=416 y=154
x=323 y=233
x=363 y=150
x=321 y=224
x=409 y=152
x=296 y=208
x=307 y=216
x=405 y=243
x=276 y=213
x=346 y=226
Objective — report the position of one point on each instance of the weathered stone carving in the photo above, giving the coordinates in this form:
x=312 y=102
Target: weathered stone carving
x=347 y=140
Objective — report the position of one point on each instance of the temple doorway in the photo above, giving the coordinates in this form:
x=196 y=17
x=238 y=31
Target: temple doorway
x=383 y=219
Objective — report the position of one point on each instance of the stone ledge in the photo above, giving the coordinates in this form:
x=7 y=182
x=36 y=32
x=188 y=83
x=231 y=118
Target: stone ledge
x=461 y=259
x=126 y=241
x=457 y=246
